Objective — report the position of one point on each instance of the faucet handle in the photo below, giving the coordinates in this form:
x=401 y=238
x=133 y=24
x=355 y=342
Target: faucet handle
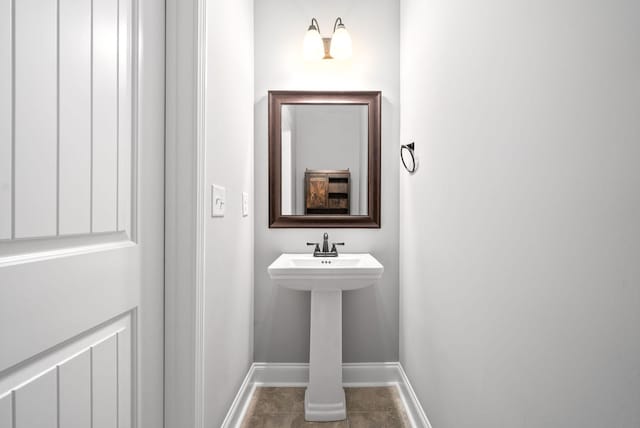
x=317 y=244
x=333 y=247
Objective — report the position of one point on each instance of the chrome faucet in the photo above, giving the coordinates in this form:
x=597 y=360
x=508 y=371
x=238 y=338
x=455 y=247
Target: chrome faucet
x=325 y=247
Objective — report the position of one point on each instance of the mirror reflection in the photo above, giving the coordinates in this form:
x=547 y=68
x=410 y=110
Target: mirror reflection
x=324 y=159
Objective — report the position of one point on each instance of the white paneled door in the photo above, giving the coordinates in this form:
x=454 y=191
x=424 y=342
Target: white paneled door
x=81 y=213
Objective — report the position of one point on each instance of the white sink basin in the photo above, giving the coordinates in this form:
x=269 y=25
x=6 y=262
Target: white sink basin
x=345 y=272
x=326 y=278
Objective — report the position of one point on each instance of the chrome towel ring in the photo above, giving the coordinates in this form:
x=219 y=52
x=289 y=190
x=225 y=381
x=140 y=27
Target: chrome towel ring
x=408 y=157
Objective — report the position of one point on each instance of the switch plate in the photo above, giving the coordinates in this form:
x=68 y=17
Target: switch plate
x=218 y=200
x=245 y=204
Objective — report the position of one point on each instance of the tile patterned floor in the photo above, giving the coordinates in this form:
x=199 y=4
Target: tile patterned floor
x=377 y=407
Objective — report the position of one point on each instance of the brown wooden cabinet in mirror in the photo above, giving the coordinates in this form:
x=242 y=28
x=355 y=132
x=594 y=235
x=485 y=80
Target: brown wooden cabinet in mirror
x=324 y=159
x=327 y=192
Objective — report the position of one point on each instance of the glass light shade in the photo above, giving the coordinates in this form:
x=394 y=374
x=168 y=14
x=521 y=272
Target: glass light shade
x=341 y=43
x=313 y=46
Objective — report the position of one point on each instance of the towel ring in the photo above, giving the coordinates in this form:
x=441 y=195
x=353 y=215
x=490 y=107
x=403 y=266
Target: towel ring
x=408 y=157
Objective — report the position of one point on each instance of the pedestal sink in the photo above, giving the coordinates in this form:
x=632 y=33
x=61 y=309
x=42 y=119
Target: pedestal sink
x=326 y=278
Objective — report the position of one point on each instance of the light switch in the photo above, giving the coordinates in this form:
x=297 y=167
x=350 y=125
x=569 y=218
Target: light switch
x=245 y=204
x=218 y=200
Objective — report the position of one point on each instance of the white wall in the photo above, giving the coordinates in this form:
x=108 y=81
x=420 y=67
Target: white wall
x=229 y=239
x=370 y=315
x=520 y=240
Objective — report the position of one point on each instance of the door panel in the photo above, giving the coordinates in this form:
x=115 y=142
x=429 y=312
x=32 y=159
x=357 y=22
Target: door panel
x=75 y=293
x=74 y=386
x=105 y=112
x=124 y=115
x=66 y=164
x=35 y=402
x=6 y=419
x=74 y=117
x=104 y=366
x=89 y=375
x=81 y=230
x=5 y=119
x=35 y=114
x=317 y=192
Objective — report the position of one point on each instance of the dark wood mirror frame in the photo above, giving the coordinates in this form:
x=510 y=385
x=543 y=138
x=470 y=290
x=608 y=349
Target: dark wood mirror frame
x=372 y=99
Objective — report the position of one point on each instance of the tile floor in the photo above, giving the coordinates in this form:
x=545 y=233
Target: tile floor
x=376 y=407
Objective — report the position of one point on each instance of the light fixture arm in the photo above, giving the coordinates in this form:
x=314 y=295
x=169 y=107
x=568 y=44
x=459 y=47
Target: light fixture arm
x=338 y=19
x=315 y=26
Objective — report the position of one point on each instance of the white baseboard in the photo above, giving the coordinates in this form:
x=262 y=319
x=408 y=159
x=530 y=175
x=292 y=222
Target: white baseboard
x=353 y=375
x=411 y=403
x=241 y=401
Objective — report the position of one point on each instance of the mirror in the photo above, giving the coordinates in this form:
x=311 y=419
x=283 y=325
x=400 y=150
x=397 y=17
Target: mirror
x=324 y=159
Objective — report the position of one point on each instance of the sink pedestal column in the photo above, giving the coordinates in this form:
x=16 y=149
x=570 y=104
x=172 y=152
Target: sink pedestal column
x=324 y=399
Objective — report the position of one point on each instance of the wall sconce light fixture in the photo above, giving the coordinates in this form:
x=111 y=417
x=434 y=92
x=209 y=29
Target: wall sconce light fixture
x=338 y=46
